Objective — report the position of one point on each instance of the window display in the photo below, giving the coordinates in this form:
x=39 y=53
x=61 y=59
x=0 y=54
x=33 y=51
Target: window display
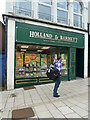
x=32 y=61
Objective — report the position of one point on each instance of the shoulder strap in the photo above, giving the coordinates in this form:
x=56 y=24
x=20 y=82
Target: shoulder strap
x=55 y=63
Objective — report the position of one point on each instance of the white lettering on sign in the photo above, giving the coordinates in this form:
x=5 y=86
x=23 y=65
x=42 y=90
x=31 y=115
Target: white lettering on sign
x=34 y=34
x=40 y=35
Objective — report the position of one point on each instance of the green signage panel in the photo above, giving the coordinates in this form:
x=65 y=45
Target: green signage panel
x=33 y=34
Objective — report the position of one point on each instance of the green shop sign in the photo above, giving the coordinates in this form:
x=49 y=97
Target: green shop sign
x=33 y=34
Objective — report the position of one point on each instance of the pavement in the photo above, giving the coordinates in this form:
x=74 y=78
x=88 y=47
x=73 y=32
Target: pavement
x=72 y=103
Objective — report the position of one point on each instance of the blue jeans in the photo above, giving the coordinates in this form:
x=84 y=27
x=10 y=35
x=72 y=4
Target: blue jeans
x=57 y=83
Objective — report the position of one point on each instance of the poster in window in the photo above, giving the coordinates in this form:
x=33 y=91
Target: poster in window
x=38 y=62
x=35 y=64
x=64 y=61
x=43 y=64
x=63 y=56
x=64 y=64
x=27 y=58
x=32 y=62
x=19 y=60
x=44 y=61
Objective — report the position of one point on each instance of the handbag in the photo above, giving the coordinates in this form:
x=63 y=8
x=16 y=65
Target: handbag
x=52 y=72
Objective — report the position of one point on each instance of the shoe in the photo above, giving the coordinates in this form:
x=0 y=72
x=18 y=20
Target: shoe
x=56 y=96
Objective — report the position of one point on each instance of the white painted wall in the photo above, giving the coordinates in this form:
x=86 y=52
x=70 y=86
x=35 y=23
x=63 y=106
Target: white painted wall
x=10 y=54
x=54 y=10
x=70 y=13
x=86 y=56
x=9 y=8
x=35 y=9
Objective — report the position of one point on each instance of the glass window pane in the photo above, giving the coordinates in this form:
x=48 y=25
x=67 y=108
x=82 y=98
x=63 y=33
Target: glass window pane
x=32 y=61
x=44 y=12
x=77 y=16
x=62 y=4
x=77 y=7
x=23 y=7
x=62 y=16
x=44 y=9
x=77 y=20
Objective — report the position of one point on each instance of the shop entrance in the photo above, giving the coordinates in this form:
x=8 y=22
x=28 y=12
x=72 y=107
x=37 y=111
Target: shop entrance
x=80 y=63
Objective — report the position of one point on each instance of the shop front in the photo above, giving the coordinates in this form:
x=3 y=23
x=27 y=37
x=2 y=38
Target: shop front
x=36 y=47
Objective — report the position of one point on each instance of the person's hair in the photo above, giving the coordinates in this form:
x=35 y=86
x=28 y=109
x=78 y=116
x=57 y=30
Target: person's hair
x=59 y=58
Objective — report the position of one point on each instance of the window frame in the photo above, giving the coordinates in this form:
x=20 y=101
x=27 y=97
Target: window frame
x=45 y=3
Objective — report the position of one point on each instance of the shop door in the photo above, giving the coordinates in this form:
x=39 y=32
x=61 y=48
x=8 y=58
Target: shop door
x=80 y=63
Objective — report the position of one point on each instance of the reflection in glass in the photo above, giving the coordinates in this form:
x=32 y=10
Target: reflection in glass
x=23 y=7
x=77 y=20
x=77 y=7
x=62 y=16
x=62 y=4
x=77 y=14
x=44 y=12
x=62 y=12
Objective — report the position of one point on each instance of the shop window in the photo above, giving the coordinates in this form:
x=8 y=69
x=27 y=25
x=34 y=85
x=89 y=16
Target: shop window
x=32 y=61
